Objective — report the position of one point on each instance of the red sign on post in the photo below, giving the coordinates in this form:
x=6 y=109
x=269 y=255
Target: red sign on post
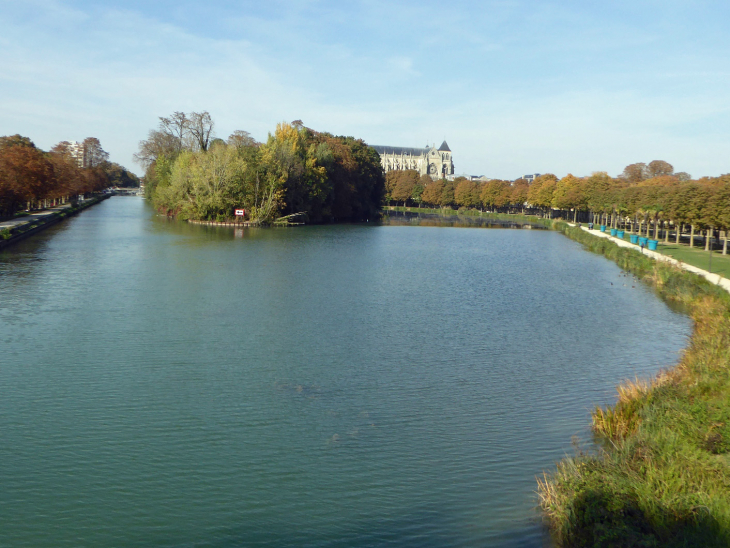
x=240 y=212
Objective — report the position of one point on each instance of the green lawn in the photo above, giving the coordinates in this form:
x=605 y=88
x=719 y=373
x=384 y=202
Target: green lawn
x=698 y=257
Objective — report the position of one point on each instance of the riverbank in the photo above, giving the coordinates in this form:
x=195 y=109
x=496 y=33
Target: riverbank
x=235 y=224
x=714 y=278
x=449 y=212
x=24 y=227
x=661 y=475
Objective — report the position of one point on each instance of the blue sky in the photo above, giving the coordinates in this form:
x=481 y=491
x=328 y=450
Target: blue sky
x=513 y=86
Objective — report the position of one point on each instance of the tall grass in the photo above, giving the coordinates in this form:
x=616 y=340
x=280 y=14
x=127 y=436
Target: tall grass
x=661 y=473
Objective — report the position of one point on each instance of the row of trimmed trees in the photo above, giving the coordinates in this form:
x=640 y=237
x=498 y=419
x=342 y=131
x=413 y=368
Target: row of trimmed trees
x=407 y=187
x=298 y=173
x=661 y=207
x=647 y=198
x=31 y=178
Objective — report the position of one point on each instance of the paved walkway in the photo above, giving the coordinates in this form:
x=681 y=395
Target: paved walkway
x=32 y=217
x=714 y=278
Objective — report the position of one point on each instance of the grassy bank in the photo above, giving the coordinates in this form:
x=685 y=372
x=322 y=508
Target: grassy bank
x=661 y=475
x=697 y=256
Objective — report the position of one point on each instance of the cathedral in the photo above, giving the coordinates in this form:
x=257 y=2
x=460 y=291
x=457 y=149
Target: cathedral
x=436 y=162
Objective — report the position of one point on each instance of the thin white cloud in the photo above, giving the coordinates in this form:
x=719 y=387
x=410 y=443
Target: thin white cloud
x=513 y=86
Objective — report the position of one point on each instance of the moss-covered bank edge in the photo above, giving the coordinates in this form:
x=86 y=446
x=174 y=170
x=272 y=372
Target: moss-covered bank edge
x=661 y=473
x=9 y=237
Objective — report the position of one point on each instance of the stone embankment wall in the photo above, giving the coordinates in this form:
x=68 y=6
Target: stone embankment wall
x=35 y=224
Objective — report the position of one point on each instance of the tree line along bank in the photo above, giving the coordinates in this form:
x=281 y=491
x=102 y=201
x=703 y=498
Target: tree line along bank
x=646 y=198
x=297 y=175
x=31 y=178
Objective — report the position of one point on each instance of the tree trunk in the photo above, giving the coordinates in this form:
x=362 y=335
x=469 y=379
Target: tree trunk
x=708 y=237
x=678 y=227
x=724 y=245
x=691 y=235
x=666 y=232
x=656 y=227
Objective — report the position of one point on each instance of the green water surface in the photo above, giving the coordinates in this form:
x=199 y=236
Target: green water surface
x=356 y=385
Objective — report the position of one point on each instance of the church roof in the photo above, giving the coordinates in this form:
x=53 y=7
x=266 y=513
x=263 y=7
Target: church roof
x=400 y=150
x=444 y=147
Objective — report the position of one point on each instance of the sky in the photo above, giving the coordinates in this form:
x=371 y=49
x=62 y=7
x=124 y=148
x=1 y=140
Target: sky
x=514 y=87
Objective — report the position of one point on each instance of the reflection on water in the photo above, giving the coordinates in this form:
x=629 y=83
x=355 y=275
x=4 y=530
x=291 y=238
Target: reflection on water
x=461 y=221
x=355 y=385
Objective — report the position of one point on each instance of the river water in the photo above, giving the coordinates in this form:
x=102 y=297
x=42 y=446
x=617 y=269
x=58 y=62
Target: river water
x=357 y=385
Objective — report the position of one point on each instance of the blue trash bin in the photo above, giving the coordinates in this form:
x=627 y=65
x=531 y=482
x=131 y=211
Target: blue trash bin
x=613 y=232
x=634 y=238
x=652 y=245
x=620 y=234
x=603 y=228
x=642 y=241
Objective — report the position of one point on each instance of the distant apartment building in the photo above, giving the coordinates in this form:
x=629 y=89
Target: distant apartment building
x=77 y=152
x=477 y=178
x=530 y=178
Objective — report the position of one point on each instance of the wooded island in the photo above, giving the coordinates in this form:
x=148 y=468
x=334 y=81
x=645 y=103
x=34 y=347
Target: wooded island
x=297 y=175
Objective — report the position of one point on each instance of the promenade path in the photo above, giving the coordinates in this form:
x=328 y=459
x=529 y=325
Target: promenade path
x=32 y=217
x=713 y=278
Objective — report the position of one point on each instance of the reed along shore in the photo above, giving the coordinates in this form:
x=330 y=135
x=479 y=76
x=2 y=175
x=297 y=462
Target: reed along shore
x=660 y=475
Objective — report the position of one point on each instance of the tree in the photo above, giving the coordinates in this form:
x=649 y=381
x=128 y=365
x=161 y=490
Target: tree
x=157 y=144
x=493 y=193
x=175 y=128
x=200 y=126
x=721 y=207
x=94 y=155
x=569 y=194
x=432 y=192
x=635 y=173
x=66 y=169
x=119 y=177
x=16 y=140
x=447 y=193
x=241 y=139
x=466 y=192
x=658 y=168
x=541 y=191
x=520 y=191
x=504 y=196
x=176 y=133
x=405 y=184
x=391 y=180
x=417 y=194
x=597 y=192
x=26 y=175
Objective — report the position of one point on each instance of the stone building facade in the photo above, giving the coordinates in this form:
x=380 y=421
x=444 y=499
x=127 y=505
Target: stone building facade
x=436 y=162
